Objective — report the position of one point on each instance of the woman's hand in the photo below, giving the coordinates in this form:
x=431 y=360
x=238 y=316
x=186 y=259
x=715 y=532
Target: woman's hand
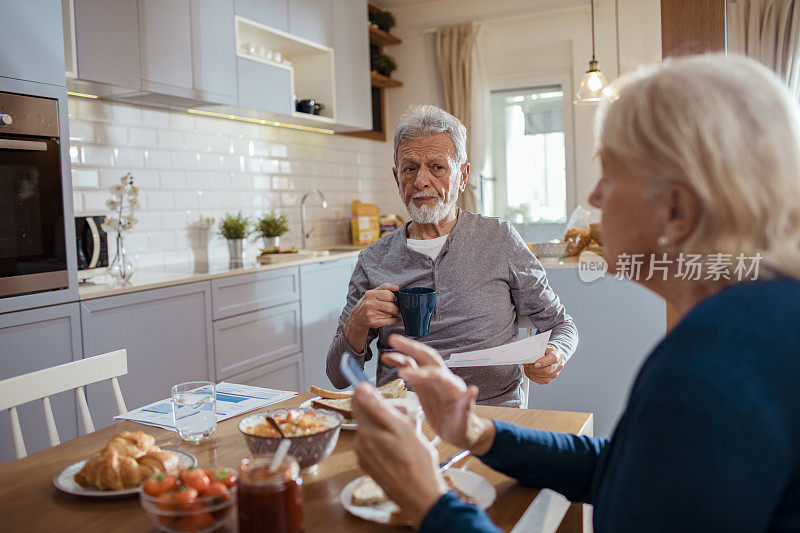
x=445 y=398
x=391 y=450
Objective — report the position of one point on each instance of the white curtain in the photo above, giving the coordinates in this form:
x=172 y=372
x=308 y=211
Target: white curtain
x=768 y=31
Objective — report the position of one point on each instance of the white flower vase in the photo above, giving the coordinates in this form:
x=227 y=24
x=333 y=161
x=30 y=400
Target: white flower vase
x=198 y=242
x=120 y=268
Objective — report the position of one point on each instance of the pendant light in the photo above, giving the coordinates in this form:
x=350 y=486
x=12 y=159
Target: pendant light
x=594 y=84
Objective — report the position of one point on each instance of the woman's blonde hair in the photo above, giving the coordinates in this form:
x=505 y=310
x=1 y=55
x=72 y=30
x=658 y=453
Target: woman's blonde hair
x=726 y=128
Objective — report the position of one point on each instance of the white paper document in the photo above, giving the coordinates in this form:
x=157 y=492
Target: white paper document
x=232 y=400
x=514 y=353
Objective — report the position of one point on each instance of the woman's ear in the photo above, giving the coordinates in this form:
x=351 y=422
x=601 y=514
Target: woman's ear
x=683 y=213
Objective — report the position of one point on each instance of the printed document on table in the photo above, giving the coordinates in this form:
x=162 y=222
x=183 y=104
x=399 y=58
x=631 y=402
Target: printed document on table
x=232 y=400
x=514 y=353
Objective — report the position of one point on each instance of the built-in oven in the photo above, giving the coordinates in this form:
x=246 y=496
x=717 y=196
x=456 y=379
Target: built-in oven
x=33 y=252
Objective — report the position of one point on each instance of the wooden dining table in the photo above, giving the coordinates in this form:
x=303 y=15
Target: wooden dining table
x=30 y=502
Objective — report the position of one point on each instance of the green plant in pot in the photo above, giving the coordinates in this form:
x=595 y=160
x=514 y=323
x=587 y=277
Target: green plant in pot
x=235 y=229
x=384 y=64
x=270 y=227
x=383 y=19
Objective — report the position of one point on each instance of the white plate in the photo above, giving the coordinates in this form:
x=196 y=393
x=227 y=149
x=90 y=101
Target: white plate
x=65 y=480
x=469 y=483
x=352 y=425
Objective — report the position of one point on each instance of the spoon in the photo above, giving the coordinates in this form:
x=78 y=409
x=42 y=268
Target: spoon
x=280 y=455
x=275 y=425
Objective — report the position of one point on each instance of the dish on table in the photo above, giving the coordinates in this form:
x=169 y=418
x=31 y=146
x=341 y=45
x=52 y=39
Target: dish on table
x=385 y=511
x=65 y=480
x=340 y=402
x=308 y=448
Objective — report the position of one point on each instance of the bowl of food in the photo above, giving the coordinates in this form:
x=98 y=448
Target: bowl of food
x=313 y=433
x=547 y=249
x=196 y=500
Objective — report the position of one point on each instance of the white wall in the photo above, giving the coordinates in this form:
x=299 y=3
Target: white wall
x=186 y=165
x=528 y=41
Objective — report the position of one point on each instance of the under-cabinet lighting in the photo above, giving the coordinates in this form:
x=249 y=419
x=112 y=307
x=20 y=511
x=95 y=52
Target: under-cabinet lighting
x=260 y=121
x=82 y=95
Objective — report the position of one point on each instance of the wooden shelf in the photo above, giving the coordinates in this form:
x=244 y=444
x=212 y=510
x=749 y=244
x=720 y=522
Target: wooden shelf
x=383 y=82
x=378 y=37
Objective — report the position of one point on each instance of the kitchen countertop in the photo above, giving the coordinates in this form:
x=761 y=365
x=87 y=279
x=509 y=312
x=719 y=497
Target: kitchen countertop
x=181 y=273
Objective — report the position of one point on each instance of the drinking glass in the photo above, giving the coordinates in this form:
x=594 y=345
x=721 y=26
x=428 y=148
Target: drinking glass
x=194 y=410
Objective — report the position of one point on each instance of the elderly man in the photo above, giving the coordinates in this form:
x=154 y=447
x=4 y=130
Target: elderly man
x=482 y=270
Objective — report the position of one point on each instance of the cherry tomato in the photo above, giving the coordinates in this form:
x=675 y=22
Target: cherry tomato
x=164 y=503
x=194 y=522
x=224 y=476
x=184 y=499
x=217 y=492
x=158 y=484
x=195 y=478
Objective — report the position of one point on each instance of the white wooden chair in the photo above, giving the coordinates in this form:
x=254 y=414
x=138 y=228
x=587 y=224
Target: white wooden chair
x=42 y=384
x=526 y=329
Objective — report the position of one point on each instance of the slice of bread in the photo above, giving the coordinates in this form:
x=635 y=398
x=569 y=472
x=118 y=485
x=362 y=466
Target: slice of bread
x=342 y=406
x=368 y=493
x=393 y=389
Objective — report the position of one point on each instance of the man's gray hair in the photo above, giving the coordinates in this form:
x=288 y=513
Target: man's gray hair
x=423 y=120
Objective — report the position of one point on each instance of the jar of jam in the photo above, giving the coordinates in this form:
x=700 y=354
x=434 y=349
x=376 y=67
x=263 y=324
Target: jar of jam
x=270 y=501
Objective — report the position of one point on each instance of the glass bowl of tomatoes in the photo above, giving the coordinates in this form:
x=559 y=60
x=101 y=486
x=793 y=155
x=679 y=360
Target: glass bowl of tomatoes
x=197 y=500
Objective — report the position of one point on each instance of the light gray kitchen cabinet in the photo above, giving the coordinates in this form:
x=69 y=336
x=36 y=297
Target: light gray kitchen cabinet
x=107 y=42
x=31 y=42
x=246 y=341
x=214 y=50
x=249 y=292
x=165 y=44
x=264 y=87
x=351 y=64
x=273 y=13
x=323 y=293
x=285 y=374
x=30 y=341
x=311 y=19
x=167 y=333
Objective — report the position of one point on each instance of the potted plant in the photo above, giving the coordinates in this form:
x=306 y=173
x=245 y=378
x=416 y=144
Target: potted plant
x=383 y=20
x=384 y=64
x=198 y=231
x=270 y=227
x=235 y=229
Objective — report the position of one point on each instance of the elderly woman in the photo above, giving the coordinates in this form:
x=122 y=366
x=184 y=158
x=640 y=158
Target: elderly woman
x=700 y=156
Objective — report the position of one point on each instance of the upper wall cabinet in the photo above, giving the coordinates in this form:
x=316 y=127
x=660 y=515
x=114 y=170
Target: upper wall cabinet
x=31 y=46
x=351 y=43
x=311 y=19
x=165 y=44
x=273 y=13
x=214 y=50
x=106 y=41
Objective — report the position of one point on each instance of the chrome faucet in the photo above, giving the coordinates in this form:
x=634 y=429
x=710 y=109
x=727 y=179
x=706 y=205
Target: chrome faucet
x=303 y=213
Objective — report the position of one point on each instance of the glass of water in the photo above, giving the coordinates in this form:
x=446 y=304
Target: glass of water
x=194 y=410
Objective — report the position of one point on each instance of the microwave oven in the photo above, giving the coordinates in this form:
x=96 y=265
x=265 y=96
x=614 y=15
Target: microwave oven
x=92 y=245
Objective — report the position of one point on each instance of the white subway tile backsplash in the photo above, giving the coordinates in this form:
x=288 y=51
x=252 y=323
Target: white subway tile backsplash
x=129 y=157
x=207 y=165
x=100 y=156
x=157 y=159
x=85 y=179
x=143 y=137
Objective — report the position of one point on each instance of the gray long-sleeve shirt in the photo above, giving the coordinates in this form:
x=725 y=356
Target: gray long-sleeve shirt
x=484 y=277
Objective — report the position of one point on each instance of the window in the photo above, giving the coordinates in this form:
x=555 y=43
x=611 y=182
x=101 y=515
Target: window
x=528 y=184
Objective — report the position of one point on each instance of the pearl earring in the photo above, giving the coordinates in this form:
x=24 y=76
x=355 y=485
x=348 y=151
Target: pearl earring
x=663 y=240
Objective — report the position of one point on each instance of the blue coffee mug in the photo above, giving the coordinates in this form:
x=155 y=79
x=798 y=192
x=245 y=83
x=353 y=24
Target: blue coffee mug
x=416 y=307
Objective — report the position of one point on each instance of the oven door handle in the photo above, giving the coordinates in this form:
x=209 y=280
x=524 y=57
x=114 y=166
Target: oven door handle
x=14 y=144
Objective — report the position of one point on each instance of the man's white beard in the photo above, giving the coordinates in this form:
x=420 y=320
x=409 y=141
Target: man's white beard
x=427 y=214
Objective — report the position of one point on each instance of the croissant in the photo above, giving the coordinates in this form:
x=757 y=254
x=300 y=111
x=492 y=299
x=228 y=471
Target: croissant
x=128 y=459
x=132 y=443
x=108 y=470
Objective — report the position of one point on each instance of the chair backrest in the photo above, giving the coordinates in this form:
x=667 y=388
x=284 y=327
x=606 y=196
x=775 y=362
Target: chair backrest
x=42 y=384
x=526 y=328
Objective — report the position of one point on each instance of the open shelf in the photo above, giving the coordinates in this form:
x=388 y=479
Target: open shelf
x=311 y=68
x=378 y=37
x=383 y=82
